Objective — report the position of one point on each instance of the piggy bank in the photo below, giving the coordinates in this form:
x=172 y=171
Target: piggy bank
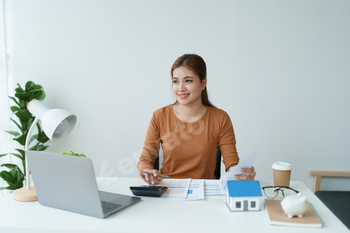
x=294 y=205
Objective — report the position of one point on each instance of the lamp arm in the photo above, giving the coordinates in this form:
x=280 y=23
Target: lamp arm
x=26 y=147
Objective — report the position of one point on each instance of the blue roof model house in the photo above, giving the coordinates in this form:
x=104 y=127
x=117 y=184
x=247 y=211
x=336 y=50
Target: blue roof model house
x=243 y=195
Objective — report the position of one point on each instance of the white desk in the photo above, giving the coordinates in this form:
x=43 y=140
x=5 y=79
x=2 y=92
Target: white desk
x=209 y=215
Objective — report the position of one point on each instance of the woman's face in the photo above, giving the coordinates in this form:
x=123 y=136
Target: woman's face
x=187 y=86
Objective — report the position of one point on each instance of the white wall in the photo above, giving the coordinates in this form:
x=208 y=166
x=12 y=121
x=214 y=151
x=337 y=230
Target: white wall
x=292 y=84
x=5 y=141
x=279 y=68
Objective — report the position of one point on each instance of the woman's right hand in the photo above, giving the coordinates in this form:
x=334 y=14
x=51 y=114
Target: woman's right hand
x=151 y=179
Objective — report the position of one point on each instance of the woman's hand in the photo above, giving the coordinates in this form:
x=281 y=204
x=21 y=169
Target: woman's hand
x=249 y=174
x=151 y=179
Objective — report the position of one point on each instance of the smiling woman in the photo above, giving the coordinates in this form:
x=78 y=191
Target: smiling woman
x=196 y=68
x=190 y=131
x=188 y=89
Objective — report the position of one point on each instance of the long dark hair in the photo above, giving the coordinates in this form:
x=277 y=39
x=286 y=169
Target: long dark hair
x=197 y=65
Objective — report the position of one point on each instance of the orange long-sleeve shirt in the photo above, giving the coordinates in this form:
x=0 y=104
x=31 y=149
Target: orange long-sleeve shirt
x=189 y=149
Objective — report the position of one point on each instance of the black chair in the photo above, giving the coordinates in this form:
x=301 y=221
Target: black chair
x=337 y=201
x=217 y=171
x=156 y=162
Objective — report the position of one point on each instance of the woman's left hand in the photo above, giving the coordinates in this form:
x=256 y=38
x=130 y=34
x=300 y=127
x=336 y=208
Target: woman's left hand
x=249 y=174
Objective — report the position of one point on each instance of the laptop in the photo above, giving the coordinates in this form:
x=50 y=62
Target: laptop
x=68 y=183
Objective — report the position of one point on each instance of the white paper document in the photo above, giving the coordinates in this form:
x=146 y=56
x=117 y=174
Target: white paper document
x=244 y=162
x=196 y=190
x=177 y=189
x=213 y=187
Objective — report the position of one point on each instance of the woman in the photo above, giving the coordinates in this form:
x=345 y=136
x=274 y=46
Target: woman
x=190 y=131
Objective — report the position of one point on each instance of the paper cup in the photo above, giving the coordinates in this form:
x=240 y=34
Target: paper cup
x=281 y=173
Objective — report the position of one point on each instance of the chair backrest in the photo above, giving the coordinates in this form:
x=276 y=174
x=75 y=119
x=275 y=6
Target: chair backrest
x=156 y=162
x=217 y=171
x=319 y=174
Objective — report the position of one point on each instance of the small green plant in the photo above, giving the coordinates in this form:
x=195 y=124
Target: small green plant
x=74 y=154
x=23 y=120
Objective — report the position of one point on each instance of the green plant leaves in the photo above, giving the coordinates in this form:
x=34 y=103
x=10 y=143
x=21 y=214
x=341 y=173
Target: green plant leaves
x=14 y=108
x=21 y=139
x=17 y=155
x=23 y=114
x=14 y=133
x=30 y=85
x=21 y=152
x=9 y=165
x=14 y=100
x=15 y=176
x=20 y=128
x=32 y=91
x=39 y=147
x=41 y=135
x=2 y=155
x=73 y=154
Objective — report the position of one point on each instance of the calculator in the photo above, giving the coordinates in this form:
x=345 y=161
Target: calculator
x=149 y=190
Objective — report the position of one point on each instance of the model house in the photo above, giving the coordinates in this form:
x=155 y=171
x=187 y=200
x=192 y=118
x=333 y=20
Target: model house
x=243 y=195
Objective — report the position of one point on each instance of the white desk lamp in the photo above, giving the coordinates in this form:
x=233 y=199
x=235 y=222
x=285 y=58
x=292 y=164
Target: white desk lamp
x=56 y=123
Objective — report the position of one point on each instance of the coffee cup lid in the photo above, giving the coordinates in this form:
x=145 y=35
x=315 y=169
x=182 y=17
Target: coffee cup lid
x=281 y=166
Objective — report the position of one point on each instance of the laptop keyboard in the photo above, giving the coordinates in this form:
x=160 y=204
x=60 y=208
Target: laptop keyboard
x=109 y=206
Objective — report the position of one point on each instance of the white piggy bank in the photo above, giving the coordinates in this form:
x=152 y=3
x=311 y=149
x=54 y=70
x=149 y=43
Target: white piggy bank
x=294 y=205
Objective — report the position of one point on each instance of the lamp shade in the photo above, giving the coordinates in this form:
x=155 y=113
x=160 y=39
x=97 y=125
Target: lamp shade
x=56 y=123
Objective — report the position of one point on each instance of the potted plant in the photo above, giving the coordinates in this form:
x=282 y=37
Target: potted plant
x=72 y=153
x=23 y=119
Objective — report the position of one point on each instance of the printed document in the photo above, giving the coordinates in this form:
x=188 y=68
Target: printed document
x=213 y=187
x=196 y=190
x=177 y=189
x=244 y=162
